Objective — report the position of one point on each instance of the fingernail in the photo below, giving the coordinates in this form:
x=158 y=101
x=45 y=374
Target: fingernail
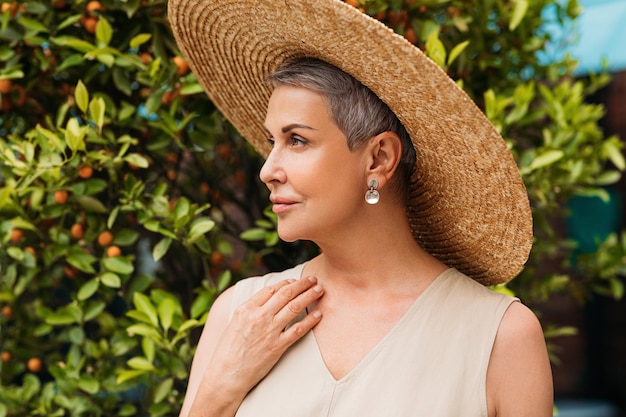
x=291 y=280
x=318 y=288
x=313 y=279
x=316 y=314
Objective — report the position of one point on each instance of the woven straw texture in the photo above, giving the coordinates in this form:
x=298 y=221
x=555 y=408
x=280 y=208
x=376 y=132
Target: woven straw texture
x=468 y=204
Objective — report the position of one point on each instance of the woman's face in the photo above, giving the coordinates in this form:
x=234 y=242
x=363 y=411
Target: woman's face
x=317 y=184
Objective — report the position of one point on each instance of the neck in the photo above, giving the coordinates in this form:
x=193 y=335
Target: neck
x=383 y=256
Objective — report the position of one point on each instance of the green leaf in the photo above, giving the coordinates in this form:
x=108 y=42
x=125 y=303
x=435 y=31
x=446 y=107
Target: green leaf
x=94 y=309
x=82 y=96
x=435 y=49
x=519 y=11
x=104 y=33
x=143 y=304
x=140 y=39
x=253 y=234
x=118 y=264
x=112 y=217
x=189 y=324
x=456 y=51
x=75 y=135
x=88 y=289
x=544 y=159
x=126 y=237
x=91 y=204
x=201 y=304
x=70 y=61
x=33 y=25
x=96 y=111
x=161 y=248
x=162 y=390
x=617 y=288
x=143 y=329
x=111 y=280
x=612 y=149
x=137 y=159
x=81 y=260
x=199 y=227
x=608 y=178
x=68 y=22
x=166 y=311
x=68 y=314
x=127 y=375
x=140 y=363
x=181 y=209
x=89 y=384
x=191 y=89
x=148 y=347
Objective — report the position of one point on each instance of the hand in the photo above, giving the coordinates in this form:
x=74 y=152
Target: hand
x=257 y=336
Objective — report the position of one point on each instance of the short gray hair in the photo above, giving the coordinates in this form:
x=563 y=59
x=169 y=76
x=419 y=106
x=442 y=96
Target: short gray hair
x=355 y=109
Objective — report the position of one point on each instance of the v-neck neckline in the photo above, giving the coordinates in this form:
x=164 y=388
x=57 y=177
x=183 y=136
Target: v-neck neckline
x=380 y=345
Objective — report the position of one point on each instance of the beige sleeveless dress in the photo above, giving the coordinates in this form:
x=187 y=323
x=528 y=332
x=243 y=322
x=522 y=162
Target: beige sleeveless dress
x=433 y=363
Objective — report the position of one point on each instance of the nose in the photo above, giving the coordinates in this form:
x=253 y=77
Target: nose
x=273 y=170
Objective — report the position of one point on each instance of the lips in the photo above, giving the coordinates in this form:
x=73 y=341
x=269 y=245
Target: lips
x=281 y=205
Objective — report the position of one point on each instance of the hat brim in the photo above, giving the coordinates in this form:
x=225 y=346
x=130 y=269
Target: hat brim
x=468 y=205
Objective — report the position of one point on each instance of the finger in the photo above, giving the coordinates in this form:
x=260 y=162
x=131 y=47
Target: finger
x=296 y=306
x=300 y=328
x=261 y=297
x=287 y=293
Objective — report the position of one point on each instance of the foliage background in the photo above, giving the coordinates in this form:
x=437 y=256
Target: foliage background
x=127 y=202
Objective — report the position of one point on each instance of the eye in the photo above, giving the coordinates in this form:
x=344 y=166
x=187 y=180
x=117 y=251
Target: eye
x=298 y=141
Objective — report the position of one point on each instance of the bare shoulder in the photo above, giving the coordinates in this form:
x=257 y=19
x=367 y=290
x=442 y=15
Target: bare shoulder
x=213 y=329
x=519 y=378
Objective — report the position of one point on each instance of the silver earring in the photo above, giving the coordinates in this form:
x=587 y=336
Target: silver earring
x=372 y=196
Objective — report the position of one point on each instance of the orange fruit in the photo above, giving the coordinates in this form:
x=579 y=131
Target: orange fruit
x=205 y=188
x=21 y=95
x=6 y=85
x=89 y=23
x=353 y=3
x=70 y=272
x=105 y=238
x=113 y=251
x=30 y=250
x=93 y=6
x=171 y=174
x=217 y=258
x=183 y=67
x=169 y=96
x=85 y=171
x=6 y=357
x=60 y=197
x=77 y=231
x=13 y=7
x=7 y=312
x=410 y=35
x=16 y=236
x=145 y=58
x=6 y=104
x=34 y=365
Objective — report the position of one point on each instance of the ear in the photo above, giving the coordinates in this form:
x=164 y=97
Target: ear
x=385 y=152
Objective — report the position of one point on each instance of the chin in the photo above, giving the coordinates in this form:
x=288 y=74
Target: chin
x=290 y=235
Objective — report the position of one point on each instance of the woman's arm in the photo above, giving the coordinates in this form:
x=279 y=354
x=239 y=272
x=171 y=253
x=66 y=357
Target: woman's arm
x=519 y=377
x=232 y=357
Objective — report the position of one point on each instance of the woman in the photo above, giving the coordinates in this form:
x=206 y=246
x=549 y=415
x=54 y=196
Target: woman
x=390 y=318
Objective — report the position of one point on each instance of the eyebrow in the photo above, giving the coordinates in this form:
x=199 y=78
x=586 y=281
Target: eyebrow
x=291 y=127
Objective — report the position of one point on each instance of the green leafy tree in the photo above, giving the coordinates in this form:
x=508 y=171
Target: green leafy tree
x=127 y=203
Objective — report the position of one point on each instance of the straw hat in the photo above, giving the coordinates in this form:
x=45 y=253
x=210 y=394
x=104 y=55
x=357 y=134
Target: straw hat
x=468 y=205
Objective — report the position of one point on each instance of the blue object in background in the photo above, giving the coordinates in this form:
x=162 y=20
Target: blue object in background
x=591 y=220
x=598 y=34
